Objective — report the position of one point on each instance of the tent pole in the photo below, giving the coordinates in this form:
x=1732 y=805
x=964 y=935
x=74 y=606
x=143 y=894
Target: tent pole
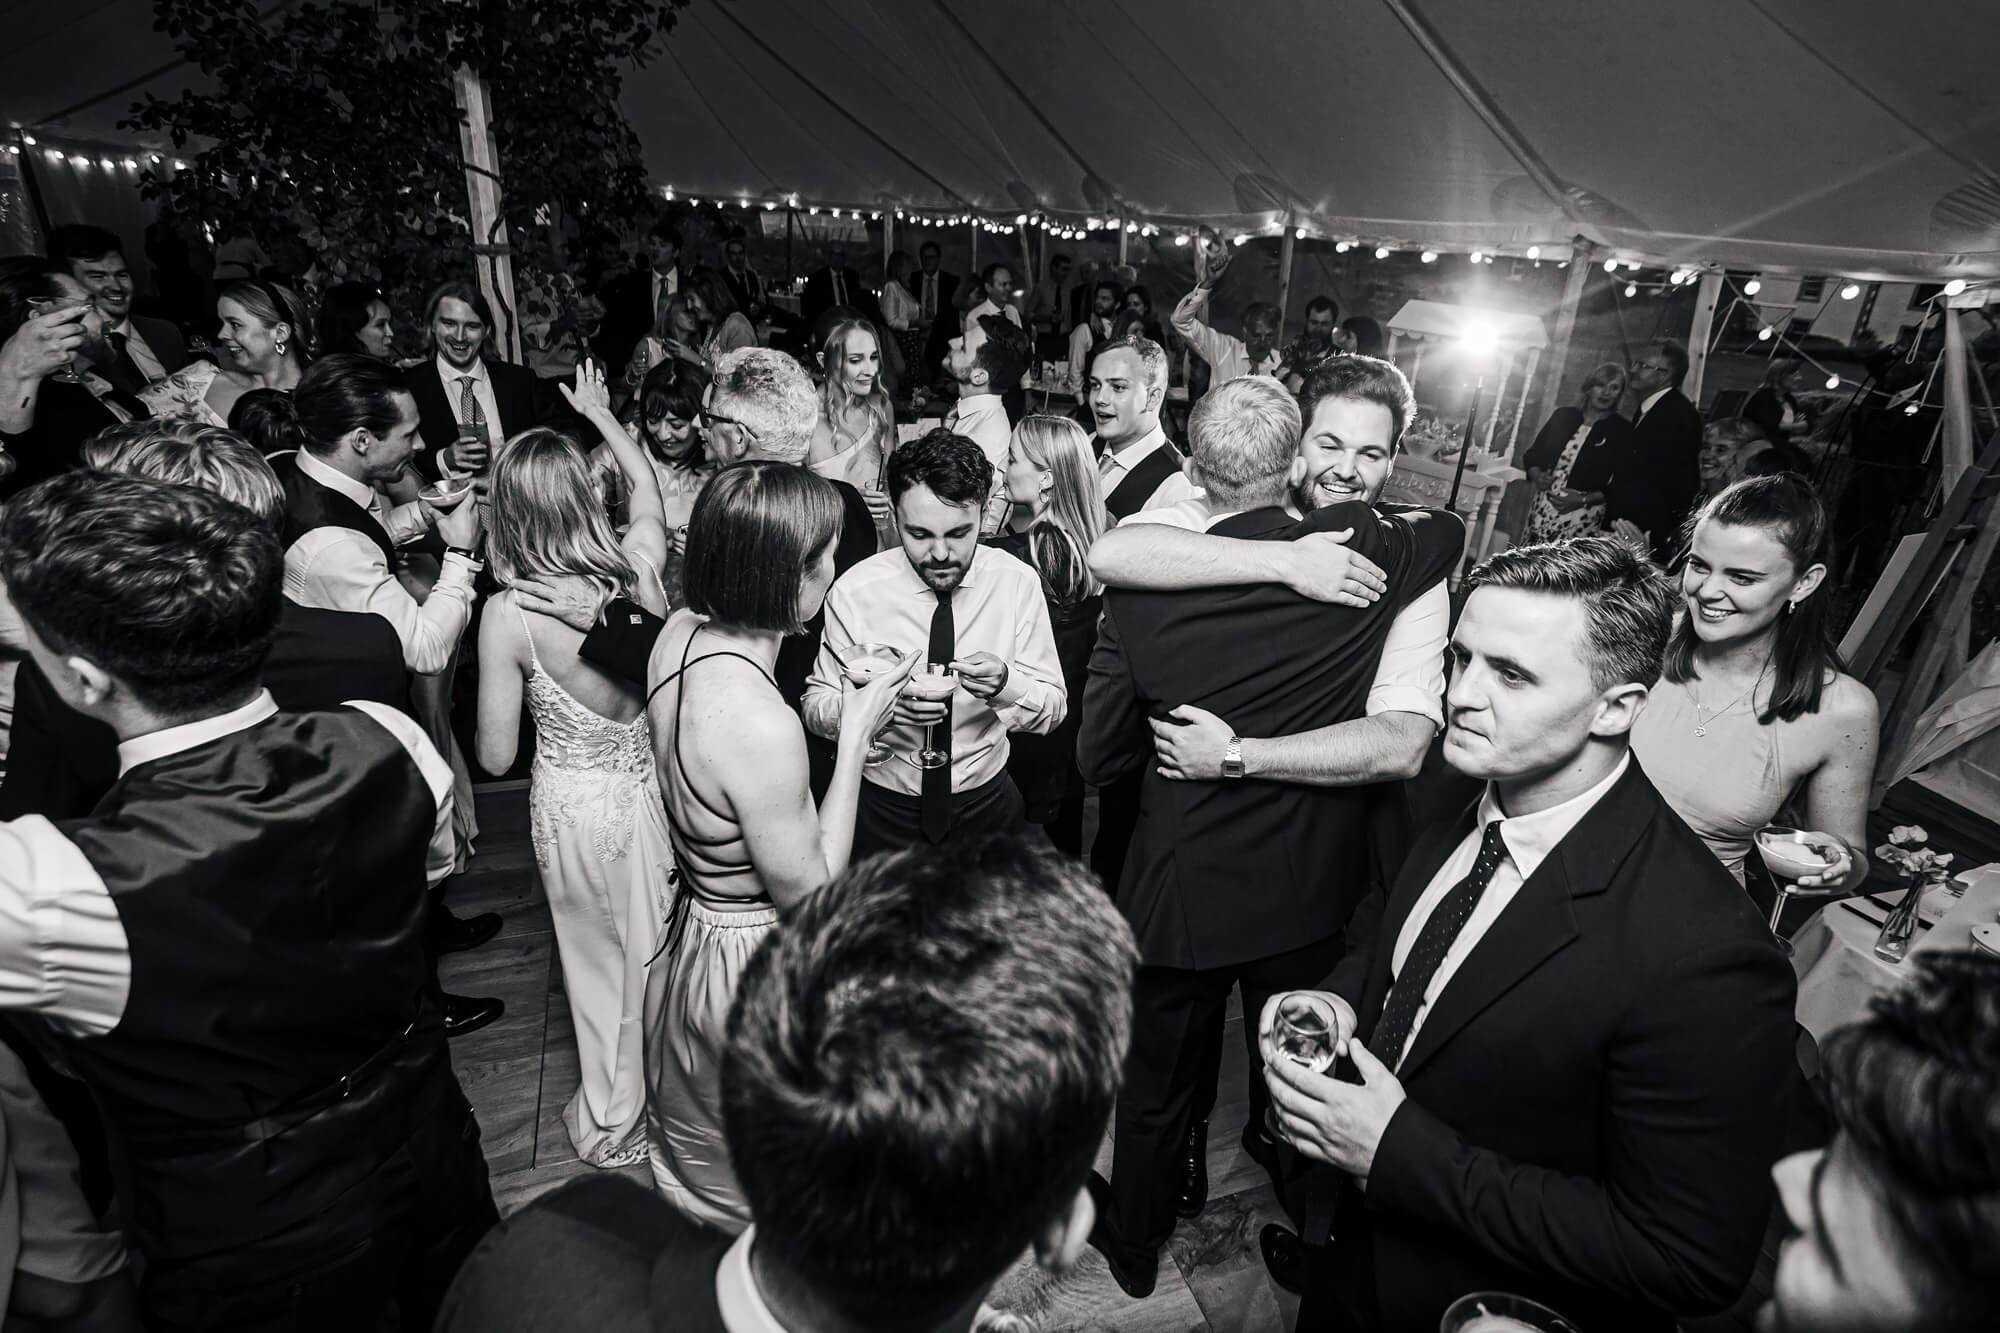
x=489 y=223
x=1527 y=386
x=1957 y=422
x=974 y=229
x=1122 y=248
x=1499 y=397
x=1285 y=245
x=1701 y=331
x=1572 y=297
x=888 y=240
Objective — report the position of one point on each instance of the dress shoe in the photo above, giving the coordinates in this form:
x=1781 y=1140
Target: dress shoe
x=1285 y=1256
x=1194 y=1172
x=456 y=934
x=464 y=1013
x=1134 y=1280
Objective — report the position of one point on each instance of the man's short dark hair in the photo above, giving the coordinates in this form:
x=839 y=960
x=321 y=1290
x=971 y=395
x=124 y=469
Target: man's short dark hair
x=1325 y=303
x=1629 y=605
x=1059 y=258
x=919 y=1070
x=1366 y=378
x=757 y=527
x=172 y=590
x=668 y=232
x=986 y=274
x=929 y=245
x=1106 y=285
x=1675 y=353
x=1004 y=355
x=1915 y=1088
x=956 y=470
x=79 y=242
x=346 y=392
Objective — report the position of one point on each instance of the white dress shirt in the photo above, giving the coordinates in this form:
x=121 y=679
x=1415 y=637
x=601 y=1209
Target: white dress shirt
x=982 y=418
x=1227 y=357
x=1117 y=463
x=1529 y=839
x=998 y=609
x=899 y=308
x=482 y=393
x=736 y=1296
x=1409 y=675
x=1080 y=339
x=671 y=281
x=341 y=570
x=142 y=353
x=64 y=953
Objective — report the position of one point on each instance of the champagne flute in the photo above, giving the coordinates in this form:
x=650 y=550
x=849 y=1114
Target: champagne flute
x=1790 y=855
x=862 y=662
x=44 y=305
x=934 y=684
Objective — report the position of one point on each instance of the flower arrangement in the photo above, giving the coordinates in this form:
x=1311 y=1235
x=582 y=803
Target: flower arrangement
x=1920 y=866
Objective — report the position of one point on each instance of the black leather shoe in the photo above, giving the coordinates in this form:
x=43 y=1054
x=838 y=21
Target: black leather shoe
x=464 y=1013
x=456 y=934
x=1285 y=1257
x=1194 y=1171
x=1132 y=1279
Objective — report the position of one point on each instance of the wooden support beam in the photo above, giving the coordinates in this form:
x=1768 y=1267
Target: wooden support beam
x=495 y=259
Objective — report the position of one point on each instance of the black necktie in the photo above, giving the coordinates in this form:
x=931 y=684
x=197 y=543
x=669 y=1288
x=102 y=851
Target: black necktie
x=1434 y=941
x=935 y=807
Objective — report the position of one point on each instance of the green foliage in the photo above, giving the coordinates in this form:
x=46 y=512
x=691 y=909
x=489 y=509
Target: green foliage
x=337 y=119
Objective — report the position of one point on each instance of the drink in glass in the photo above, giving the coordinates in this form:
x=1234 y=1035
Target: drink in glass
x=1501 y=1312
x=1303 y=1031
x=44 y=305
x=1790 y=855
x=934 y=684
x=862 y=662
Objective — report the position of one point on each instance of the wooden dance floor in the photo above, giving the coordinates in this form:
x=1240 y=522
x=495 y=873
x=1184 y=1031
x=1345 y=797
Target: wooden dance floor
x=521 y=1070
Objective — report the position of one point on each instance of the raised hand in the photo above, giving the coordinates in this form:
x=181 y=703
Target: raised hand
x=590 y=394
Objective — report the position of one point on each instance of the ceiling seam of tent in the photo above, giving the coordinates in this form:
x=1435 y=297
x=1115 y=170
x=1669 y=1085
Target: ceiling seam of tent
x=148 y=76
x=913 y=57
x=858 y=123
x=1799 y=39
x=1190 y=84
x=1433 y=45
x=687 y=77
x=1033 y=108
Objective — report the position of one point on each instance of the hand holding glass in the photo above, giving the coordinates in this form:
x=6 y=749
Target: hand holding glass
x=38 y=306
x=934 y=684
x=1790 y=856
x=863 y=662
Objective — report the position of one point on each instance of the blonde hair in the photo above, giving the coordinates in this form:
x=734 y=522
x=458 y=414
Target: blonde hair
x=547 y=518
x=1245 y=435
x=833 y=395
x=189 y=453
x=1060 y=541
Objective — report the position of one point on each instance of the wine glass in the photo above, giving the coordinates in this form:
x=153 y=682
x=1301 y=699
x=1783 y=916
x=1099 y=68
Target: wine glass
x=862 y=662
x=1303 y=1032
x=1789 y=855
x=1501 y=1312
x=934 y=684
x=43 y=305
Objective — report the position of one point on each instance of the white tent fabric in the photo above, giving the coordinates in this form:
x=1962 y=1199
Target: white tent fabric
x=1816 y=136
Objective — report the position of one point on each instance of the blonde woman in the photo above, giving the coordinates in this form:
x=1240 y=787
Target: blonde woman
x=1053 y=485
x=263 y=342
x=1574 y=456
x=595 y=815
x=857 y=422
x=676 y=336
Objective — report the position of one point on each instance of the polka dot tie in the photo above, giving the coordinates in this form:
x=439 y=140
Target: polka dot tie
x=1434 y=941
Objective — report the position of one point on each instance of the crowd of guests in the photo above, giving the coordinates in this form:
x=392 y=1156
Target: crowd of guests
x=814 y=714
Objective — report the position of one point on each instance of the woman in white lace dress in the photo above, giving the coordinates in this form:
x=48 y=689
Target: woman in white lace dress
x=264 y=341
x=596 y=819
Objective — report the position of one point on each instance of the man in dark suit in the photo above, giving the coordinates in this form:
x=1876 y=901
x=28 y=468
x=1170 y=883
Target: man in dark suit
x=60 y=762
x=45 y=419
x=836 y=283
x=828 y=1061
x=634 y=298
x=467 y=405
x=137 y=350
x=1228 y=882
x=938 y=314
x=1659 y=473
x=1566 y=1035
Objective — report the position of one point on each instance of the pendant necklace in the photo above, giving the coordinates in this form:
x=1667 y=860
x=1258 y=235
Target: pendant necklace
x=1701 y=723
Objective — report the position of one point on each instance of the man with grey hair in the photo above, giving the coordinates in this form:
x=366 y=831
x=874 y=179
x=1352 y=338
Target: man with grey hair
x=759 y=404
x=1228 y=883
x=1568 y=940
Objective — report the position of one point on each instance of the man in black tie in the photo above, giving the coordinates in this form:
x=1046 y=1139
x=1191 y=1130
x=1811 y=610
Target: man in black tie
x=1231 y=882
x=982 y=616
x=229 y=951
x=835 y=284
x=140 y=350
x=1653 y=489
x=46 y=410
x=1565 y=1036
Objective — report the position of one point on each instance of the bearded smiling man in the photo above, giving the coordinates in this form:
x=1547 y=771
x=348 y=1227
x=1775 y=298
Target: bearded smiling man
x=976 y=609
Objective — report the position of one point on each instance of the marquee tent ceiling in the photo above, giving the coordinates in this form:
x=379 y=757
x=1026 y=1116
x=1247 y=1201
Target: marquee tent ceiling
x=1822 y=136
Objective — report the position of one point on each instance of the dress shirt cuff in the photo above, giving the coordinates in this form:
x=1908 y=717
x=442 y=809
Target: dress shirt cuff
x=407 y=523
x=463 y=566
x=1010 y=692
x=1405 y=699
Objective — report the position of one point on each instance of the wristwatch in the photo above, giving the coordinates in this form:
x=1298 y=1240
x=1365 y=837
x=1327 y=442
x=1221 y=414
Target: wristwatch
x=470 y=553
x=1232 y=758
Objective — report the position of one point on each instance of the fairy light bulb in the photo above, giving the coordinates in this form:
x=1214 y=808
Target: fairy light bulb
x=1429 y=256
x=1850 y=291
x=1764 y=334
x=1953 y=288
x=1833 y=381
x=1534 y=252
x=1631 y=289
x=1752 y=287
x=1381 y=252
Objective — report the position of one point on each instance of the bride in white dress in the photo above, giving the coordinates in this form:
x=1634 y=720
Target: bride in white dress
x=596 y=818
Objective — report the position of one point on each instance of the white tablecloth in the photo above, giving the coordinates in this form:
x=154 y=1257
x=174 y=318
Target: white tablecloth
x=1834 y=952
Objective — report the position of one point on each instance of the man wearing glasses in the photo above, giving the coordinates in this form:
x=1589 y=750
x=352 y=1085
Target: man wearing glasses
x=1656 y=481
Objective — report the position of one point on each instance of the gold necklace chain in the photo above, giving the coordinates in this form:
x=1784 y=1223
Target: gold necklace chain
x=1701 y=723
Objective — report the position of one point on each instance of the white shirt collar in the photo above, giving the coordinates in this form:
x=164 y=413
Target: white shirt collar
x=1129 y=455
x=335 y=480
x=736 y=1295
x=1646 y=403
x=1530 y=838
x=978 y=404
x=451 y=374
x=173 y=740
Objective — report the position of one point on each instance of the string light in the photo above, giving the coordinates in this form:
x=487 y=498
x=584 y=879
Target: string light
x=1240 y=239
x=1676 y=278
x=1131 y=227
x=1478 y=257
x=180 y=165
x=1631 y=289
x=1342 y=247
x=1752 y=287
x=1764 y=333
x=1847 y=293
x=1534 y=252
x=28 y=139
x=1298 y=233
x=1381 y=252
x=1833 y=381
x=1429 y=256
x=1953 y=288
x=1610 y=266
x=1180 y=238
x=1910 y=411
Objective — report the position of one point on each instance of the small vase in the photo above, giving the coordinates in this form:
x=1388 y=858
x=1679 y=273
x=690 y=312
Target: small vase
x=1894 y=941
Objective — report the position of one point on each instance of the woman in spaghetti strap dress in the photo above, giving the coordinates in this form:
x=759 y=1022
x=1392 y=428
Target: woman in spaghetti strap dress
x=1752 y=712
x=595 y=817
x=748 y=842
x=857 y=420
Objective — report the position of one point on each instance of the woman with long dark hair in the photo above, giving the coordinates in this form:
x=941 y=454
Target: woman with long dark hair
x=353 y=317
x=1058 y=499
x=1753 y=712
x=662 y=417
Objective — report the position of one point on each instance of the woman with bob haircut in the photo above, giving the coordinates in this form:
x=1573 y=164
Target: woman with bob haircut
x=595 y=818
x=731 y=755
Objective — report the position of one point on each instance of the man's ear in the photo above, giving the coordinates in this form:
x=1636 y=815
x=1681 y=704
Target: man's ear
x=1618 y=708
x=91 y=683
